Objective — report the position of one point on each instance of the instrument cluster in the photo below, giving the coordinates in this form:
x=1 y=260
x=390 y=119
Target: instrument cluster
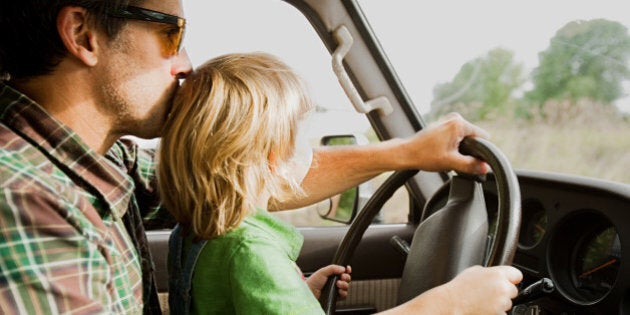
x=576 y=234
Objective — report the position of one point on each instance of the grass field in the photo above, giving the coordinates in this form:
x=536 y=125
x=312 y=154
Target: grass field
x=594 y=144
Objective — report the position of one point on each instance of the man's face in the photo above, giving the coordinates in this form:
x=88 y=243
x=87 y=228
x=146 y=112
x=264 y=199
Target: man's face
x=138 y=76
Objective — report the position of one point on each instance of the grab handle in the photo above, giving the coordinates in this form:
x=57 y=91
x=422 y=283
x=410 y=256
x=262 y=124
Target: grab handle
x=344 y=40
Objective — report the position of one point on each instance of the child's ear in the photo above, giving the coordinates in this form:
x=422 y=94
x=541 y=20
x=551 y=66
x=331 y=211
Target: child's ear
x=276 y=165
x=272 y=161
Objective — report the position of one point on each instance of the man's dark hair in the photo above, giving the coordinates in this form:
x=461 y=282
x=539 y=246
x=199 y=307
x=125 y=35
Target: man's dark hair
x=29 y=42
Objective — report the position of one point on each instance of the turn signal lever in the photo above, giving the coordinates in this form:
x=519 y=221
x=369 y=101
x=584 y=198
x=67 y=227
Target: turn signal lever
x=534 y=291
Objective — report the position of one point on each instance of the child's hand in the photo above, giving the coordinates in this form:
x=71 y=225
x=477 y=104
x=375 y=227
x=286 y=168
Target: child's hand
x=318 y=279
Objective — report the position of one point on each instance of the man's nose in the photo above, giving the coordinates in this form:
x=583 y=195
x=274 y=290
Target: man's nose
x=181 y=64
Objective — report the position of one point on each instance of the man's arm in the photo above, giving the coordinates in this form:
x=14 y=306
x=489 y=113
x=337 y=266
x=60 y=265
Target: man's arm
x=476 y=290
x=336 y=169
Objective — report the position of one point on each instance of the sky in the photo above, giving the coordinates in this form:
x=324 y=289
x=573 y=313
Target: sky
x=439 y=37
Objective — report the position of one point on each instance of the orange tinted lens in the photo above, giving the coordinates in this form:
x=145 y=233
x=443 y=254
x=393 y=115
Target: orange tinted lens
x=173 y=41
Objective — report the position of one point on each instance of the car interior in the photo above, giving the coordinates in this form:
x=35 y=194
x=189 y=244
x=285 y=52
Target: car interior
x=566 y=231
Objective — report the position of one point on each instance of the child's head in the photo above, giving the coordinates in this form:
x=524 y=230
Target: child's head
x=230 y=138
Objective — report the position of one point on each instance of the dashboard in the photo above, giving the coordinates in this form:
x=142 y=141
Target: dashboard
x=574 y=232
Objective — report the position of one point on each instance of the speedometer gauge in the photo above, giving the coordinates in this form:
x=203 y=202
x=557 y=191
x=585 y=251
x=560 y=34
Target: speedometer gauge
x=585 y=257
x=597 y=263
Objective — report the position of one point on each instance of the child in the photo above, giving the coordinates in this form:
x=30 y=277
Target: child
x=231 y=146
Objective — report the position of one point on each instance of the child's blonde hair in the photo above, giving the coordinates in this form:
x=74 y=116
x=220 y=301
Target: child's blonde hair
x=228 y=116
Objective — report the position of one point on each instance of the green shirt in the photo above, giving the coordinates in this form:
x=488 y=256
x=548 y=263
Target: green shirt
x=252 y=270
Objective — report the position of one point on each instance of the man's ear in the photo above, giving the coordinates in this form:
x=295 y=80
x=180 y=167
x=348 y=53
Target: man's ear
x=77 y=34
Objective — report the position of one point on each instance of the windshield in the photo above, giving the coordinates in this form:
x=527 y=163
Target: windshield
x=548 y=79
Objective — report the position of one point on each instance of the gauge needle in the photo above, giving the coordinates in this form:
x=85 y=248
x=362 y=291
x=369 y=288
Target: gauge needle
x=604 y=265
x=540 y=228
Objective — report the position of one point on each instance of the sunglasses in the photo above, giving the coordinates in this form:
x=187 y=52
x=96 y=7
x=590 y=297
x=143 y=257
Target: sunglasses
x=173 y=40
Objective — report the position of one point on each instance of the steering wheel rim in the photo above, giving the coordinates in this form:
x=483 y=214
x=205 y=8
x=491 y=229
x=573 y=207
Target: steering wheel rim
x=508 y=220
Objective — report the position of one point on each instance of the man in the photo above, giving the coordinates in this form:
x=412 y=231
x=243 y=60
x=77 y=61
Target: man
x=75 y=198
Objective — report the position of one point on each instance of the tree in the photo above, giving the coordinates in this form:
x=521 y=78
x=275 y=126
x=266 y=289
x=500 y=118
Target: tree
x=482 y=86
x=585 y=59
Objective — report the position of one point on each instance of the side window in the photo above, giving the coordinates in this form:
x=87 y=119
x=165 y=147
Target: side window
x=278 y=28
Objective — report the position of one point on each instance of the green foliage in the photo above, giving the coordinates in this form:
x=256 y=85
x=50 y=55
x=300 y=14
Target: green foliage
x=585 y=59
x=482 y=86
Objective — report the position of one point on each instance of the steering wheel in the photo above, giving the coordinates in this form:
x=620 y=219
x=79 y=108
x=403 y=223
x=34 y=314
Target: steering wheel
x=451 y=239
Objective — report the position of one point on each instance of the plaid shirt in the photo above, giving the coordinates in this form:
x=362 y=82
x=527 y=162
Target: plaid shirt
x=71 y=233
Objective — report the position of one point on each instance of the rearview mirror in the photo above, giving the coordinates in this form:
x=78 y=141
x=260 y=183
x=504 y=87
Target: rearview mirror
x=340 y=208
x=343 y=207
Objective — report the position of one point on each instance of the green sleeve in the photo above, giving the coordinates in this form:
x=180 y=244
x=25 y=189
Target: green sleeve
x=265 y=281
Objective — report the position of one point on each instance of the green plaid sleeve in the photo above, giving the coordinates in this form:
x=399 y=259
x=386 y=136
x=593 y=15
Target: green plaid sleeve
x=140 y=165
x=55 y=259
